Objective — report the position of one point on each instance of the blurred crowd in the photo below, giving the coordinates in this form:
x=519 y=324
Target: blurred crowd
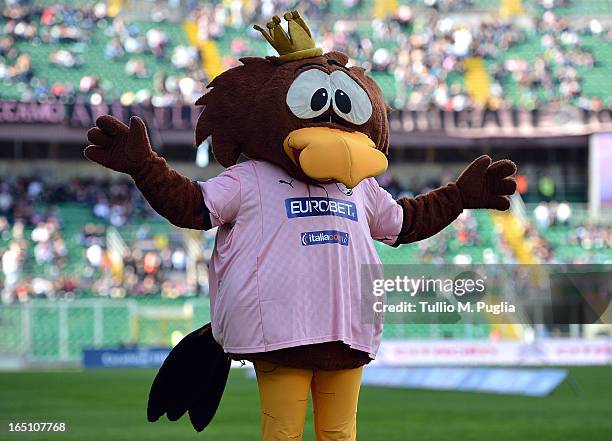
x=554 y=230
x=48 y=252
x=425 y=51
x=421 y=50
x=151 y=264
x=72 y=31
x=114 y=201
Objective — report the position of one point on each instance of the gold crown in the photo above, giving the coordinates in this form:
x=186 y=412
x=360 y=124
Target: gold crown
x=295 y=46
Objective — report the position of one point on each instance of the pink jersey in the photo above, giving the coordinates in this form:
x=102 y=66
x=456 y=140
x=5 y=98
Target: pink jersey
x=285 y=270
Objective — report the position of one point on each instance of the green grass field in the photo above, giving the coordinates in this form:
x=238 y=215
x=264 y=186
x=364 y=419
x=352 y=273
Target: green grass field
x=110 y=405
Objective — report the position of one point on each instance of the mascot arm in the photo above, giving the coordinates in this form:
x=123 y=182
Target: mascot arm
x=427 y=214
x=127 y=150
x=481 y=185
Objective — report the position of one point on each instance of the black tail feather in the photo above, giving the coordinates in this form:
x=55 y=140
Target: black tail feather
x=192 y=379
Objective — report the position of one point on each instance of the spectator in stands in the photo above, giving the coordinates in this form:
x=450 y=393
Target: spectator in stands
x=65 y=58
x=546 y=186
x=185 y=57
x=157 y=42
x=491 y=110
x=21 y=70
x=6 y=201
x=12 y=261
x=136 y=67
x=113 y=49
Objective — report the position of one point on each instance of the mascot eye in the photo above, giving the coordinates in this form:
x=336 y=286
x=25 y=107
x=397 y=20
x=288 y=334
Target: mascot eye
x=351 y=102
x=308 y=95
x=319 y=99
x=342 y=101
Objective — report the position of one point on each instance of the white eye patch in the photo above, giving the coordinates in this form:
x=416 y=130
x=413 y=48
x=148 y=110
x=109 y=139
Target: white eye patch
x=350 y=100
x=309 y=94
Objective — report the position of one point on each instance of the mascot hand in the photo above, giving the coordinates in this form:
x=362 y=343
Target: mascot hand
x=117 y=146
x=486 y=185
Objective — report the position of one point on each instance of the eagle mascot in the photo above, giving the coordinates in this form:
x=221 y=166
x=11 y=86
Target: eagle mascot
x=302 y=136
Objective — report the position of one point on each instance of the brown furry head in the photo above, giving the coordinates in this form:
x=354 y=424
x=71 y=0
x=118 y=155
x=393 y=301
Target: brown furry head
x=247 y=110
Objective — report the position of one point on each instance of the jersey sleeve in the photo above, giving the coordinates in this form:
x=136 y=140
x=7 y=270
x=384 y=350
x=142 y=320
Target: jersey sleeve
x=385 y=215
x=222 y=196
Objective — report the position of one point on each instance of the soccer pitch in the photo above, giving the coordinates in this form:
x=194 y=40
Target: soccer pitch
x=111 y=405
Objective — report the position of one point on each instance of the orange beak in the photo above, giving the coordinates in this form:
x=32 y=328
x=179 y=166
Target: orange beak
x=327 y=154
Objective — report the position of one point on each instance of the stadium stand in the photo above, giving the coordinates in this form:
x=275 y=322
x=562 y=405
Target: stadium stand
x=68 y=50
x=561 y=233
x=419 y=56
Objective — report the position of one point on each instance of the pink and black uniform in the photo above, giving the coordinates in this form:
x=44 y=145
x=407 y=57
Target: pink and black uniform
x=285 y=270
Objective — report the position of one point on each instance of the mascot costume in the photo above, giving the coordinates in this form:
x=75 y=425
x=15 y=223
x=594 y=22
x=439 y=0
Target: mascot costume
x=302 y=136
